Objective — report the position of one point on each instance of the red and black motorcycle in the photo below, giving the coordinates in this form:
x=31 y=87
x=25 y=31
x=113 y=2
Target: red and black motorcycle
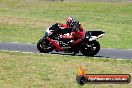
x=52 y=41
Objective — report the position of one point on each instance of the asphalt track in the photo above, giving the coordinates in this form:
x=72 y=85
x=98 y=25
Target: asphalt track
x=104 y=52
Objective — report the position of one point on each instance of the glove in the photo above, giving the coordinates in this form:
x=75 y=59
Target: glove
x=61 y=36
x=70 y=43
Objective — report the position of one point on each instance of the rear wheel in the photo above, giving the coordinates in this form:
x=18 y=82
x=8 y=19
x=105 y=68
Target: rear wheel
x=45 y=46
x=90 y=48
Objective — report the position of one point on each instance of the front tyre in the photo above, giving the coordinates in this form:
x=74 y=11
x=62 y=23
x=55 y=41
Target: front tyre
x=45 y=46
x=90 y=48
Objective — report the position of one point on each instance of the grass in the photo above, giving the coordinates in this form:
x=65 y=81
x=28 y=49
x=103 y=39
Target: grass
x=25 y=21
x=20 y=70
x=19 y=33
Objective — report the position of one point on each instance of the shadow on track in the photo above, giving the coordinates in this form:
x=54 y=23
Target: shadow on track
x=79 y=54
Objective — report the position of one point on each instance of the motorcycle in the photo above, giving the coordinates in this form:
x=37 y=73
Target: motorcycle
x=52 y=41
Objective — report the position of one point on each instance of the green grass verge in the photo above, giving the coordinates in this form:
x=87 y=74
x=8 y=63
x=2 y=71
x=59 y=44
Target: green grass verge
x=19 y=70
x=29 y=18
x=19 y=33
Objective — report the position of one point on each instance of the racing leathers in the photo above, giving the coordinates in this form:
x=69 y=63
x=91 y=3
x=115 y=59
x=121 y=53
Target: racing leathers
x=76 y=33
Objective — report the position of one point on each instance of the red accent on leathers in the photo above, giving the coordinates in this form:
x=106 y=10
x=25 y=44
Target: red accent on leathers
x=76 y=36
x=79 y=35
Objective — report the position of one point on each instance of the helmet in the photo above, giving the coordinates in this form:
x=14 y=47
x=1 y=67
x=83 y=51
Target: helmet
x=70 y=21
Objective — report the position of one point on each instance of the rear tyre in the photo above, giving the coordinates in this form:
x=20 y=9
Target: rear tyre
x=90 y=48
x=45 y=46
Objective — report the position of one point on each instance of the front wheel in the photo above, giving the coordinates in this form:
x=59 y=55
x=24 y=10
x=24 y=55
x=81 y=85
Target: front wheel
x=45 y=46
x=90 y=48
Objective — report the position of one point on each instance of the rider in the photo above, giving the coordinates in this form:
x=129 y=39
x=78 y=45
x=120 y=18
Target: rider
x=75 y=28
x=76 y=31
